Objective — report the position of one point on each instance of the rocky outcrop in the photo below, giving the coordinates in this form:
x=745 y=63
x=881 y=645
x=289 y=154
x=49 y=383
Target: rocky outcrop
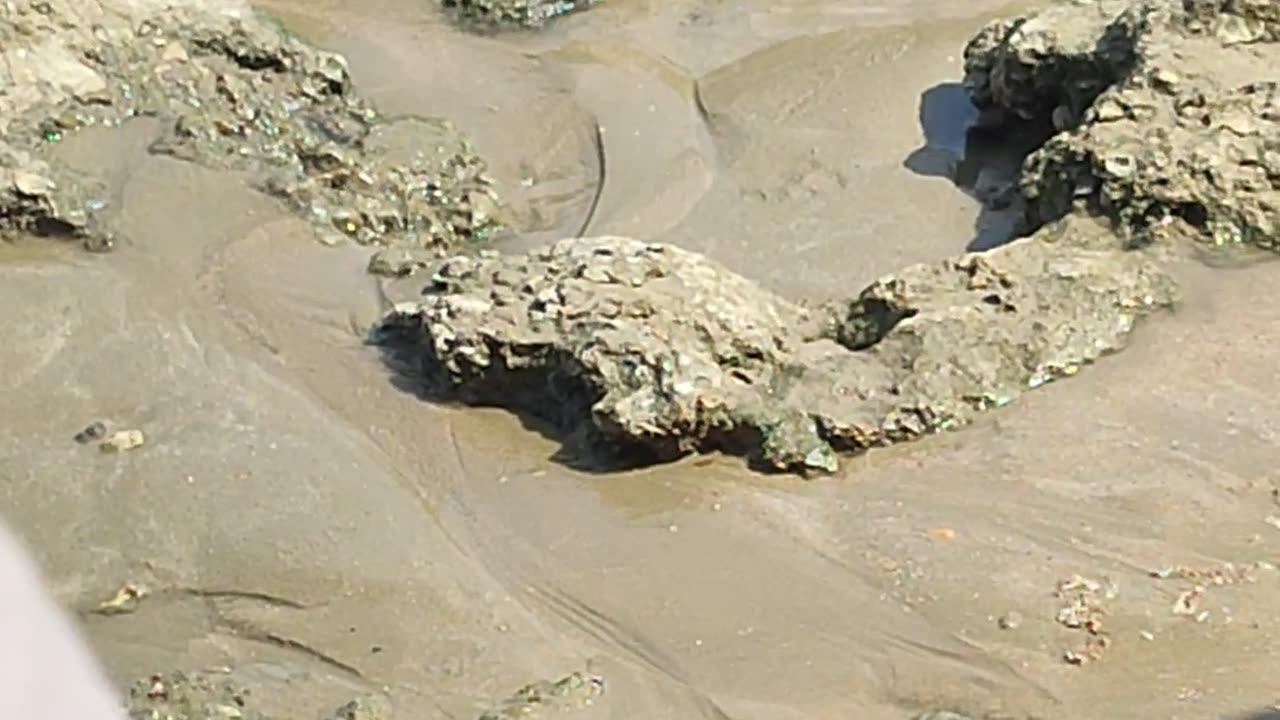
x=493 y=14
x=210 y=695
x=662 y=352
x=1159 y=118
x=1167 y=111
x=234 y=91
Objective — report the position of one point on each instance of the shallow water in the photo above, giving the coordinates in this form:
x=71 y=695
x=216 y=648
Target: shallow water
x=304 y=519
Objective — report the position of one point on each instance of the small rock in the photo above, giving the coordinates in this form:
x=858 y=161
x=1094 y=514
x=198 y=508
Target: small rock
x=174 y=53
x=32 y=185
x=122 y=440
x=365 y=707
x=1011 y=620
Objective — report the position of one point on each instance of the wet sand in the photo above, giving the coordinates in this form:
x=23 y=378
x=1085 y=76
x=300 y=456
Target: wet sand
x=299 y=517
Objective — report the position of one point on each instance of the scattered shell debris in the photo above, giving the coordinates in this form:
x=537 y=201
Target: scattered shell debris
x=1190 y=602
x=1225 y=574
x=1082 y=610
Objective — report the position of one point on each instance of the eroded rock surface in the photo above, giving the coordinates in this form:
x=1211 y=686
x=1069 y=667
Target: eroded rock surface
x=660 y=350
x=189 y=696
x=214 y=695
x=512 y=13
x=235 y=92
x=547 y=699
x=1169 y=113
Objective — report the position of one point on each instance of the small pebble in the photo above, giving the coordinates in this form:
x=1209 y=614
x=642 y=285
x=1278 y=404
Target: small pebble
x=1010 y=620
x=122 y=440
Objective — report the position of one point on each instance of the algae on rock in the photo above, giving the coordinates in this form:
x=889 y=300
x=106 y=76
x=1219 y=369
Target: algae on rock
x=237 y=92
x=214 y=695
x=662 y=352
x=1169 y=113
x=513 y=13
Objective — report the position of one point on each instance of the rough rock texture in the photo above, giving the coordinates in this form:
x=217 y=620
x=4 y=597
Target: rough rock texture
x=1160 y=116
x=212 y=695
x=1169 y=113
x=183 y=696
x=546 y=699
x=513 y=13
x=235 y=92
x=660 y=350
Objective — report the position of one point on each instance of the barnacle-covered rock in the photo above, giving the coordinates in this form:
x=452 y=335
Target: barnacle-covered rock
x=234 y=91
x=1168 y=113
x=513 y=13
x=661 y=352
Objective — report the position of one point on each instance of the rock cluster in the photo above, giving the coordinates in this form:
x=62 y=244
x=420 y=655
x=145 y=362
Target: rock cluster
x=213 y=695
x=512 y=13
x=1159 y=121
x=234 y=91
x=1169 y=114
x=662 y=352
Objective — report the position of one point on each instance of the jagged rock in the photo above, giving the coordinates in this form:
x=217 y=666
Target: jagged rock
x=235 y=92
x=547 y=699
x=513 y=13
x=1169 y=113
x=190 y=696
x=216 y=695
x=662 y=352
x=44 y=199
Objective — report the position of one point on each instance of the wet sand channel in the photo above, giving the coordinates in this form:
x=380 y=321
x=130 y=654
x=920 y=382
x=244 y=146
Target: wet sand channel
x=298 y=517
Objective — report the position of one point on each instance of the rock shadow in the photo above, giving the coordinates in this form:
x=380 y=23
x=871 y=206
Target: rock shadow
x=980 y=154
x=539 y=405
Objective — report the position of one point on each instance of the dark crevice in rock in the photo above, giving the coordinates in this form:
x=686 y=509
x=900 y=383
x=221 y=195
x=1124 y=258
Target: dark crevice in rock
x=867 y=322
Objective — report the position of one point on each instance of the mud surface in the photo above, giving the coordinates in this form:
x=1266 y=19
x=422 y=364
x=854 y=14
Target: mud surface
x=300 y=535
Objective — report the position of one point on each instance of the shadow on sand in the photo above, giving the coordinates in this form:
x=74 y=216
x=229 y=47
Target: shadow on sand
x=530 y=400
x=978 y=156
